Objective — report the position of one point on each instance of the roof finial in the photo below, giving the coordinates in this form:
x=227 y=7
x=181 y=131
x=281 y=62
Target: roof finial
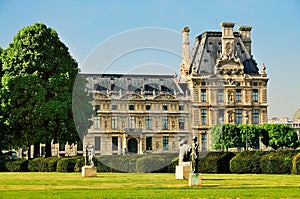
x=263 y=69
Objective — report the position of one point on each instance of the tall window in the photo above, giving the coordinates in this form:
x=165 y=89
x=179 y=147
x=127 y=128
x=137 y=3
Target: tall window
x=181 y=122
x=255 y=95
x=165 y=123
x=131 y=107
x=220 y=96
x=148 y=107
x=131 y=122
x=148 y=122
x=181 y=107
x=203 y=116
x=97 y=143
x=114 y=143
x=255 y=116
x=97 y=108
x=220 y=116
x=114 y=106
x=238 y=116
x=165 y=143
x=203 y=95
x=148 y=143
x=114 y=122
x=238 y=95
x=164 y=107
x=204 y=141
x=97 y=123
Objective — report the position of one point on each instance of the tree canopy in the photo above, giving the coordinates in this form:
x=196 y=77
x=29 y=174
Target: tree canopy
x=273 y=135
x=38 y=79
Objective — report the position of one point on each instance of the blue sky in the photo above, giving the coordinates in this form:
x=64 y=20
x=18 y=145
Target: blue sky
x=85 y=25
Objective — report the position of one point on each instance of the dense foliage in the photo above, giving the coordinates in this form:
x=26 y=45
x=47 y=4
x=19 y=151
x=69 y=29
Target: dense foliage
x=270 y=162
x=259 y=162
x=215 y=162
x=37 y=83
x=273 y=135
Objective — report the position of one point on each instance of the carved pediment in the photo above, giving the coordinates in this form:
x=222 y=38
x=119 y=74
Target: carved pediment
x=164 y=97
x=101 y=96
x=132 y=97
x=229 y=66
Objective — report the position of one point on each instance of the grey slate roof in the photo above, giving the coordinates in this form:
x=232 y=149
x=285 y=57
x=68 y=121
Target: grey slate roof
x=135 y=83
x=208 y=47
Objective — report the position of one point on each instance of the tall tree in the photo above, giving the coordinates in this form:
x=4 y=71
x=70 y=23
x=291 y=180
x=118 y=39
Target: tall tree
x=39 y=75
x=280 y=136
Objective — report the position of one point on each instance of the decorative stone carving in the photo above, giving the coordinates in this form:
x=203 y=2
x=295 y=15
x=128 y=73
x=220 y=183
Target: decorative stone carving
x=101 y=96
x=230 y=116
x=164 y=96
x=230 y=96
x=132 y=97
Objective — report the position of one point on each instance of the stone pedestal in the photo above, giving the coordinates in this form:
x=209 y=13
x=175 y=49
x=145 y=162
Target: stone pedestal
x=183 y=170
x=89 y=171
x=194 y=179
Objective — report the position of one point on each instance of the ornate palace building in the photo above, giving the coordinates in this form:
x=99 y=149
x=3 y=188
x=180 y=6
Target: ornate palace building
x=219 y=83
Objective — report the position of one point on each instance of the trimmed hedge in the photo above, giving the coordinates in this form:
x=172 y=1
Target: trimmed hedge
x=128 y=163
x=79 y=163
x=247 y=162
x=152 y=163
x=2 y=164
x=267 y=162
x=66 y=165
x=215 y=162
x=17 y=165
x=278 y=162
x=43 y=164
x=296 y=164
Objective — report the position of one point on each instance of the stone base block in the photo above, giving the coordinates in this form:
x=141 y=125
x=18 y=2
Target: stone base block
x=194 y=179
x=89 y=171
x=182 y=172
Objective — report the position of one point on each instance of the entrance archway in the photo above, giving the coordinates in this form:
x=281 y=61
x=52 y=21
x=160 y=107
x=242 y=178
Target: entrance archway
x=132 y=145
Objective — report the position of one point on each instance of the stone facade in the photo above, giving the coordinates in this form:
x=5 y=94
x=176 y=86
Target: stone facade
x=224 y=81
x=219 y=83
x=138 y=113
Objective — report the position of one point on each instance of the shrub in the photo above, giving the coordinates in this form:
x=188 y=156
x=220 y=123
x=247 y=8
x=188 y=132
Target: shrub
x=79 y=163
x=278 y=162
x=171 y=168
x=215 y=162
x=36 y=164
x=101 y=167
x=247 y=162
x=17 y=165
x=296 y=164
x=65 y=165
x=51 y=163
x=150 y=163
x=2 y=164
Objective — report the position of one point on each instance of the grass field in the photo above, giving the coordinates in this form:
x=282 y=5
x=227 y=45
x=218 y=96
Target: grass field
x=134 y=185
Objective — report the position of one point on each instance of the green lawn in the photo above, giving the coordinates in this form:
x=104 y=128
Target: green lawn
x=134 y=185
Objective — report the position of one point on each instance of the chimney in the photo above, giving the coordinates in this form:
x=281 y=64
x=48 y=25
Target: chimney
x=227 y=38
x=185 y=64
x=245 y=32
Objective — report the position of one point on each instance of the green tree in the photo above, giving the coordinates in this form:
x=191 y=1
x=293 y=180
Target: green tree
x=39 y=75
x=279 y=136
x=251 y=133
x=216 y=137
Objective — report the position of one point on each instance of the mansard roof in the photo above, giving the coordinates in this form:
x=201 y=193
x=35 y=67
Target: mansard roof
x=208 y=48
x=135 y=83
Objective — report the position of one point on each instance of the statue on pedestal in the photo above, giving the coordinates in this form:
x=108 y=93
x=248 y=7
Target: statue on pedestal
x=194 y=155
x=89 y=155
